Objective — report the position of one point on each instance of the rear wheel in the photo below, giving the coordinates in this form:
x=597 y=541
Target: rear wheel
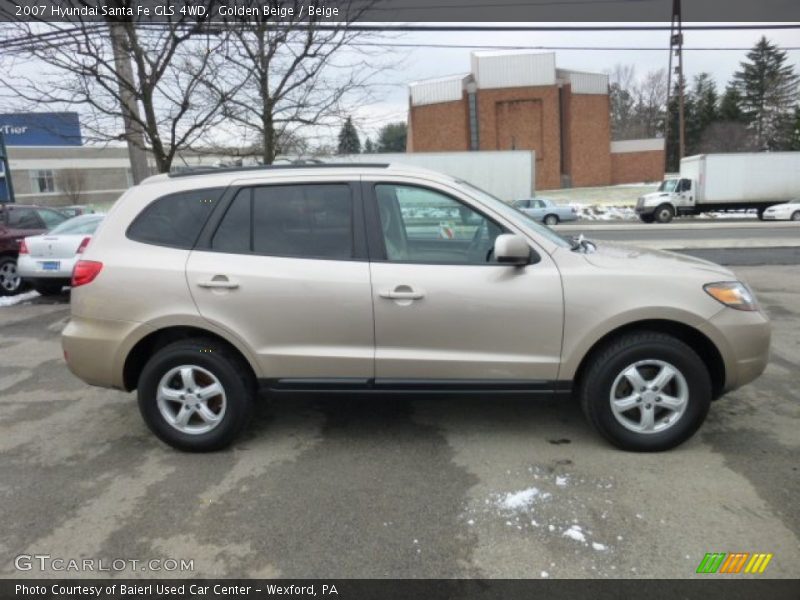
x=551 y=220
x=10 y=281
x=664 y=213
x=646 y=392
x=196 y=395
x=48 y=288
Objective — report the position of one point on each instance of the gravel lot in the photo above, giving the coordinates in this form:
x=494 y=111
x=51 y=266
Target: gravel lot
x=345 y=487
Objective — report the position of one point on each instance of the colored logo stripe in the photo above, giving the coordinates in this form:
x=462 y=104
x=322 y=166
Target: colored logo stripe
x=722 y=562
x=711 y=562
x=758 y=563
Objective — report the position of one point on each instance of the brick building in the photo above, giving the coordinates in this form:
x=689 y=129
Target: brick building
x=521 y=101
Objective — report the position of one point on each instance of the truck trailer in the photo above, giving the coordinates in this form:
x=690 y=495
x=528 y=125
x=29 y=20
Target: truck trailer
x=718 y=182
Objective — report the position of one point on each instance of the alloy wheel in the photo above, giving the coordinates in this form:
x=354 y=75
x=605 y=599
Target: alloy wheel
x=9 y=278
x=191 y=399
x=649 y=396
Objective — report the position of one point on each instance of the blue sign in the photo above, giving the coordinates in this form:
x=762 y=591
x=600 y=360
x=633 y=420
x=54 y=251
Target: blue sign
x=41 y=129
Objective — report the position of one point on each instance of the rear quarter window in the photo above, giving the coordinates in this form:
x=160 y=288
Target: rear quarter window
x=176 y=219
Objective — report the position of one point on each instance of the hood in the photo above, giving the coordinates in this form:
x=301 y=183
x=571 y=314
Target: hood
x=613 y=256
x=657 y=195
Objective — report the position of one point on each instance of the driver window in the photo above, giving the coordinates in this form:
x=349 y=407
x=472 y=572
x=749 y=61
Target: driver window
x=420 y=225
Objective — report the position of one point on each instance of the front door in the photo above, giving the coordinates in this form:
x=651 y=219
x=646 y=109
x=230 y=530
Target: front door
x=444 y=309
x=286 y=271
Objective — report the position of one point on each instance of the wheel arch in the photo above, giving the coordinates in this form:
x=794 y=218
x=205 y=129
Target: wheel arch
x=701 y=343
x=137 y=356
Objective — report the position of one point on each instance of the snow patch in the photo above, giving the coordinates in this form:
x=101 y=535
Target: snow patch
x=575 y=533
x=598 y=546
x=545 y=574
x=522 y=499
x=19 y=298
x=562 y=480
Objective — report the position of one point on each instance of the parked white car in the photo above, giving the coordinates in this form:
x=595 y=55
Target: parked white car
x=46 y=261
x=788 y=211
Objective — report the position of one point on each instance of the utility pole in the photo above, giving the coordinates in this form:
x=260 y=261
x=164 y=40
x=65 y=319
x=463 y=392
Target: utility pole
x=6 y=179
x=134 y=133
x=676 y=47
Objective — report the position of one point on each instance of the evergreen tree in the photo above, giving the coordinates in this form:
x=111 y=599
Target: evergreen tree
x=768 y=85
x=794 y=138
x=392 y=137
x=369 y=147
x=673 y=143
x=348 y=139
x=730 y=106
x=702 y=111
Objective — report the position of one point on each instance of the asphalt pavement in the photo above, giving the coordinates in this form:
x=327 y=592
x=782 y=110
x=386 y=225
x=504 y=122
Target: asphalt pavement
x=403 y=487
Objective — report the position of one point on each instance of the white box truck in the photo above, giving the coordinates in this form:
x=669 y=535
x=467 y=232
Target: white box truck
x=709 y=182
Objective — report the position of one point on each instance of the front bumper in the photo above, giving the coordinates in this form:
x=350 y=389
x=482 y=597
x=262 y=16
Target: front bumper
x=743 y=339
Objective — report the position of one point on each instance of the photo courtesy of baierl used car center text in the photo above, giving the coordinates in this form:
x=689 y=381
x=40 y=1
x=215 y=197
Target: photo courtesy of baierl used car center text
x=390 y=299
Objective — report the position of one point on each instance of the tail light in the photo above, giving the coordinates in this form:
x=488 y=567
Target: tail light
x=82 y=247
x=85 y=272
x=23 y=247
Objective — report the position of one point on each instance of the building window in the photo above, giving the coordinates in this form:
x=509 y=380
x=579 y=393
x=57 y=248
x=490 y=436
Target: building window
x=43 y=182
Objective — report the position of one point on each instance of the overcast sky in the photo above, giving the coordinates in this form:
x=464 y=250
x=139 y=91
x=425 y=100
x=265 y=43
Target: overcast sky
x=424 y=62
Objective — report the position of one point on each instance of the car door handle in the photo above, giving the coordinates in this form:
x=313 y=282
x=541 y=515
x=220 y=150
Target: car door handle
x=218 y=282
x=402 y=292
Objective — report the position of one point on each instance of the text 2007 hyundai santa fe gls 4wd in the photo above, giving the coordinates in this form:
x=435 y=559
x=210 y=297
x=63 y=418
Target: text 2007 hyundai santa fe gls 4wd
x=200 y=288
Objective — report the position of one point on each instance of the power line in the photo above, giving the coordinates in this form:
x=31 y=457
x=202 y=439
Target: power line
x=591 y=48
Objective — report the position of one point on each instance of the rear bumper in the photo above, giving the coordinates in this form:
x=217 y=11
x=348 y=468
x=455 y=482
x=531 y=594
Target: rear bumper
x=95 y=348
x=32 y=268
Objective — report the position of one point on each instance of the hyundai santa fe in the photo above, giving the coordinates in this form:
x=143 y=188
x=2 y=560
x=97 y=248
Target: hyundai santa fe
x=201 y=289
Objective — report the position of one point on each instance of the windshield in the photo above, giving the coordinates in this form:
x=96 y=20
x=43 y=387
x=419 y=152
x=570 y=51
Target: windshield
x=668 y=185
x=514 y=213
x=84 y=224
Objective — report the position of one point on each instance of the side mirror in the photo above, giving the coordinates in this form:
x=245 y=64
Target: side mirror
x=511 y=249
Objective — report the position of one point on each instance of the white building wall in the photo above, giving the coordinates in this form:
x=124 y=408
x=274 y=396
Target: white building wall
x=513 y=69
x=645 y=145
x=509 y=175
x=431 y=91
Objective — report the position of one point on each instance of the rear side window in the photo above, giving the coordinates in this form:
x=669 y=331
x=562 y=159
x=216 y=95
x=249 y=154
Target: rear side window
x=23 y=218
x=302 y=221
x=175 y=220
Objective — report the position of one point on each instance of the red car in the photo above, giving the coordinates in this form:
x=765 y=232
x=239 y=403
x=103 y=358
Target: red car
x=16 y=222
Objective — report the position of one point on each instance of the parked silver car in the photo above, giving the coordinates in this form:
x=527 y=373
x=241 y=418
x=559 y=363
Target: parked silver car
x=546 y=211
x=46 y=261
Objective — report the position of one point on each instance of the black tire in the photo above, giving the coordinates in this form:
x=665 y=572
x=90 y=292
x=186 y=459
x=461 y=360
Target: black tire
x=48 y=288
x=232 y=373
x=595 y=389
x=551 y=220
x=795 y=216
x=664 y=213
x=8 y=270
x=646 y=218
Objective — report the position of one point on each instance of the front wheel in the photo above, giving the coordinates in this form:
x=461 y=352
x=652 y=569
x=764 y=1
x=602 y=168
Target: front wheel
x=196 y=395
x=646 y=218
x=551 y=220
x=10 y=281
x=646 y=392
x=796 y=215
x=664 y=213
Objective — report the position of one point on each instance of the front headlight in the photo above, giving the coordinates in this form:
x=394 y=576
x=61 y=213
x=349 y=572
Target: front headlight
x=734 y=294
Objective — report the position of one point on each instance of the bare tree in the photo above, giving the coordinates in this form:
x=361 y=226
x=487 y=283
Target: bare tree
x=71 y=182
x=293 y=75
x=727 y=136
x=638 y=105
x=74 y=66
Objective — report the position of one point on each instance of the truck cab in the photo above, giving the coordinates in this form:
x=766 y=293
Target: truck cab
x=675 y=196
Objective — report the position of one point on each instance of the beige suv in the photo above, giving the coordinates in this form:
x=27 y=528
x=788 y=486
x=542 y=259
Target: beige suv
x=199 y=289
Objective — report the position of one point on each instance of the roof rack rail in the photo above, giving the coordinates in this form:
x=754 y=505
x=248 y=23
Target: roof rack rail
x=207 y=170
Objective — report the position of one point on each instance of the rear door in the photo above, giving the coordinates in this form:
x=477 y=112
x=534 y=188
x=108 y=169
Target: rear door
x=445 y=311
x=284 y=267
